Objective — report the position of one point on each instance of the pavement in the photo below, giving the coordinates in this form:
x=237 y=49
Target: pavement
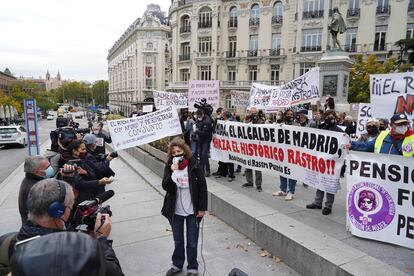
x=142 y=237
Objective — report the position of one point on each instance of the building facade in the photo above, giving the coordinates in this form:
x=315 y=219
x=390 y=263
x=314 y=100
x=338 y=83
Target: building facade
x=138 y=62
x=6 y=79
x=273 y=41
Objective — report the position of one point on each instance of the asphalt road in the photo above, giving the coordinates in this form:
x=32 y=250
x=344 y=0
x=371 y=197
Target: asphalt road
x=12 y=157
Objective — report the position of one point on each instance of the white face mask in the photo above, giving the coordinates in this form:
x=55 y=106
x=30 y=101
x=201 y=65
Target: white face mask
x=401 y=129
x=178 y=159
x=96 y=132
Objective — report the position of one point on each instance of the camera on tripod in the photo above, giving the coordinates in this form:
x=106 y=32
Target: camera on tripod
x=204 y=106
x=88 y=210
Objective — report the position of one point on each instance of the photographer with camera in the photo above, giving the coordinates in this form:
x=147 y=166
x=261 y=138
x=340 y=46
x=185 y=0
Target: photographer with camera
x=100 y=163
x=204 y=134
x=50 y=202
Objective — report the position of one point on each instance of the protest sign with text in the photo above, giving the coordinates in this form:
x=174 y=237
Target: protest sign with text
x=312 y=156
x=239 y=98
x=364 y=114
x=267 y=97
x=198 y=89
x=131 y=132
x=304 y=89
x=164 y=99
x=392 y=93
x=380 y=197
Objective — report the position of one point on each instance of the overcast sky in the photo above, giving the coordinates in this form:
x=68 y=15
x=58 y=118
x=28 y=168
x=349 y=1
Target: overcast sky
x=72 y=36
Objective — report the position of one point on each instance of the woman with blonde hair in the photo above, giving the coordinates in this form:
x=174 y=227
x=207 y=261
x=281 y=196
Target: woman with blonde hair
x=185 y=201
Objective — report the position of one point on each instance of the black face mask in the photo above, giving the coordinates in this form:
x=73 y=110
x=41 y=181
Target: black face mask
x=382 y=128
x=289 y=119
x=372 y=130
x=330 y=122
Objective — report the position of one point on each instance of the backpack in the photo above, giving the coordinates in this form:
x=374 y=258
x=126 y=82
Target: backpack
x=6 y=242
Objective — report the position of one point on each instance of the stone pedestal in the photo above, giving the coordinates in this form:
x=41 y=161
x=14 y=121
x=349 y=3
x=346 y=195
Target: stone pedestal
x=334 y=76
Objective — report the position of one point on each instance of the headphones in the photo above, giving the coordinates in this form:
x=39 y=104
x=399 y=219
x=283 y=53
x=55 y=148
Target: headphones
x=57 y=208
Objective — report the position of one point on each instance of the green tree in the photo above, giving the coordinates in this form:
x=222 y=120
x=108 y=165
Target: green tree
x=8 y=100
x=100 y=92
x=359 y=76
x=407 y=47
x=74 y=93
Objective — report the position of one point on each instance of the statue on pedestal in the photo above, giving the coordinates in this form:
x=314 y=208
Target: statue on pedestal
x=337 y=25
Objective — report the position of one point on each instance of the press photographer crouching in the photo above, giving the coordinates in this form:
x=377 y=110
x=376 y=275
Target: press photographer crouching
x=50 y=203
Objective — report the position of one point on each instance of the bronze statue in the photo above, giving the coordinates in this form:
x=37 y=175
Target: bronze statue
x=337 y=25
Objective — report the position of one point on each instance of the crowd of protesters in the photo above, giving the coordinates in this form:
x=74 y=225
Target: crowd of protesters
x=379 y=136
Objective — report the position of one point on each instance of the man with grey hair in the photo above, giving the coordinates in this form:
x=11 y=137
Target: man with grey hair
x=50 y=202
x=36 y=168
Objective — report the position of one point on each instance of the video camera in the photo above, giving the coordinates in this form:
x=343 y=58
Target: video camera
x=204 y=106
x=88 y=210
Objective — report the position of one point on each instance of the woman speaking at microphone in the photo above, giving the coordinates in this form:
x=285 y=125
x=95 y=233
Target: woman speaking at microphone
x=185 y=201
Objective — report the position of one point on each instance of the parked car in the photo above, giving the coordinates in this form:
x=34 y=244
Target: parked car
x=13 y=135
x=50 y=117
x=79 y=115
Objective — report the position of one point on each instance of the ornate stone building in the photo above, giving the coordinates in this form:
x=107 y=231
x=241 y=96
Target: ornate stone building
x=138 y=61
x=6 y=79
x=273 y=41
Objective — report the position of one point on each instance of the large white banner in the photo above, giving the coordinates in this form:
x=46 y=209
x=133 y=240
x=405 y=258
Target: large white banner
x=364 y=114
x=392 y=93
x=164 y=99
x=131 y=132
x=304 y=89
x=209 y=89
x=380 y=197
x=239 y=98
x=312 y=156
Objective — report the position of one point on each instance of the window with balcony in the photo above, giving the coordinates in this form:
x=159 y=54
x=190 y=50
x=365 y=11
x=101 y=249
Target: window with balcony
x=277 y=17
x=253 y=73
x=185 y=51
x=353 y=8
x=410 y=30
x=380 y=34
x=253 y=46
x=311 y=40
x=205 y=18
x=383 y=7
x=276 y=42
x=274 y=74
x=254 y=15
x=305 y=67
x=350 y=40
x=313 y=8
x=232 y=47
x=204 y=72
x=231 y=75
x=185 y=24
x=233 y=17
x=204 y=46
x=185 y=74
x=150 y=45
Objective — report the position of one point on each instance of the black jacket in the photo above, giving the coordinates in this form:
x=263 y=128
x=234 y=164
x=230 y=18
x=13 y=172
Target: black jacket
x=25 y=187
x=99 y=165
x=30 y=230
x=204 y=129
x=107 y=139
x=198 y=189
x=331 y=128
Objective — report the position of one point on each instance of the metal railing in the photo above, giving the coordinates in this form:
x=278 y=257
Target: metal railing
x=277 y=19
x=184 y=57
x=353 y=12
x=312 y=14
x=185 y=29
x=350 y=48
x=230 y=54
x=275 y=52
x=254 y=22
x=252 y=53
x=311 y=48
x=384 y=10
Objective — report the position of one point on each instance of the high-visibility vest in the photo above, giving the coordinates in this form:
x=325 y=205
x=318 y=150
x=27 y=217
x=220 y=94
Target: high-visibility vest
x=406 y=147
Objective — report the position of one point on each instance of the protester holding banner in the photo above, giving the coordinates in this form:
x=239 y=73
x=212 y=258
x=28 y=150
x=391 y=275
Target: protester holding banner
x=185 y=201
x=330 y=123
x=350 y=125
x=372 y=127
x=287 y=185
x=204 y=133
x=399 y=140
x=253 y=118
x=318 y=117
x=278 y=117
x=303 y=120
x=226 y=168
x=383 y=124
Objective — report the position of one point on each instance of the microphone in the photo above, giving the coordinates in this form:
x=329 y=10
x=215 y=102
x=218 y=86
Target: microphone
x=104 y=196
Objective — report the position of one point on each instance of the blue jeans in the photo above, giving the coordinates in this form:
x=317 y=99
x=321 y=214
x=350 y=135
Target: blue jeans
x=178 y=257
x=194 y=149
x=203 y=151
x=284 y=184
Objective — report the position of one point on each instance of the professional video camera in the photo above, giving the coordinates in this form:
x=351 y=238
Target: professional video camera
x=88 y=209
x=204 y=106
